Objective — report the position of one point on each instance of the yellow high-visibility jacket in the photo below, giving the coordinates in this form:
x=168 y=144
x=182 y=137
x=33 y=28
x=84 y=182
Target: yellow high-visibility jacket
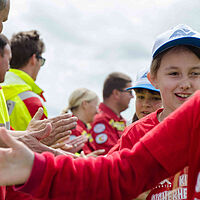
x=23 y=98
x=4 y=117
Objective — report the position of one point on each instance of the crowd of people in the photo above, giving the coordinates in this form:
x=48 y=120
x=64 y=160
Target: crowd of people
x=89 y=151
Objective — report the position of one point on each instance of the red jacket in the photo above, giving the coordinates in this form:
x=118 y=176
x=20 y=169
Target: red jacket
x=175 y=186
x=2 y=192
x=162 y=152
x=107 y=128
x=82 y=129
x=134 y=132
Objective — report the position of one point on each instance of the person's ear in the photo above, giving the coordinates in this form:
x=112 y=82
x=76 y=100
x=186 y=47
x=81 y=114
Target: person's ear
x=116 y=93
x=33 y=59
x=153 y=80
x=84 y=104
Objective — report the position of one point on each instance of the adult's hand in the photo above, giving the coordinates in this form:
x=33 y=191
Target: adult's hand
x=15 y=162
x=92 y=154
x=32 y=140
x=61 y=126
x=76 y=144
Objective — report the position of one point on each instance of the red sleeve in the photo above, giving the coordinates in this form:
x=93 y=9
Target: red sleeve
x=33 y=104
x=115 y=147
x=111 y=177
x=123 y=175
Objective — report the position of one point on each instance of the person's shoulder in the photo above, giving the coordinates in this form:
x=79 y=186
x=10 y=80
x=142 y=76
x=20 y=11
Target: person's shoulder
x=101 y=117
x=143 y=125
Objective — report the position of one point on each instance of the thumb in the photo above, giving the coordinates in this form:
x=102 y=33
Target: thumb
x=38 y=115
x=39 y=135
x=8 y=139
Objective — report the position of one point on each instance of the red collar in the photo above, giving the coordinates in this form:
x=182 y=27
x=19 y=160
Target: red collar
x=109 y=112
x=81 y=124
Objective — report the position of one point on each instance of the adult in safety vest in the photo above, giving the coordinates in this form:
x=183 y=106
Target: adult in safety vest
x=108 y=124
x=23 y=95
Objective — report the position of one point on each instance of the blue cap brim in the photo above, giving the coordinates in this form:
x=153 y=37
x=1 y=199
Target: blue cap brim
x=192 y=41
x=144 y=86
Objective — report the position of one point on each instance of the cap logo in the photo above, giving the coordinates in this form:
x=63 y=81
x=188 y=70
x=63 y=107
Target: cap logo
x=182 y=33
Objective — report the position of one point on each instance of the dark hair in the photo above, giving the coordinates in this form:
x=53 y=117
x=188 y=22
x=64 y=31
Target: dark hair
x=3 y=42
x=23 y=46
x=2 y=4
x=155 y=64
x=135 y=118
x=140 y=90
x=115 y=80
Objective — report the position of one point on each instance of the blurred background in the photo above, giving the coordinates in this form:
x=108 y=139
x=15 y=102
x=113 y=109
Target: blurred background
x=88 y=39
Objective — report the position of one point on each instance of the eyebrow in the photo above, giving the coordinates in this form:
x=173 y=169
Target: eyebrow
x=174 y=67
x=196 y=67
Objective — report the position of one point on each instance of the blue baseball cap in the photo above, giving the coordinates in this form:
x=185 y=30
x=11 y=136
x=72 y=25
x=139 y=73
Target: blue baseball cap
x=143 y=82
x=179 y=35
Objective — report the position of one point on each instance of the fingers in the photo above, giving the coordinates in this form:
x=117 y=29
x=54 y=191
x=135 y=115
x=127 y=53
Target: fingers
x=58 y=145
x=64 y=124
x=63 y=139
x=39 y=135
x=62 y=136
x=67 y=147
x=9 y=140
x=82 y=154
x=77 y=143
x=62 y=117
x=98 y=152
x=79 y=139
x=38 y=115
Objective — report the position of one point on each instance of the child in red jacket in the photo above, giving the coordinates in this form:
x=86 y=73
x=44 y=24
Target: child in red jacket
x=159 y=154
x=175 y=71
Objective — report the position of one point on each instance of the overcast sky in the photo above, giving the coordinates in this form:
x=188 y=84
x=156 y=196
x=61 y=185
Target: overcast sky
x=88 y=39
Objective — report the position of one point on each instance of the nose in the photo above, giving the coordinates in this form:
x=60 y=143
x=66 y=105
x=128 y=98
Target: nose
x=147 y=103
x=185 y=84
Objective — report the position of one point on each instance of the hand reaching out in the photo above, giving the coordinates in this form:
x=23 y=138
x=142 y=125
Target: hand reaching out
x=75 y=145
x=15 y=162
x=61 y=126
x=92 y=154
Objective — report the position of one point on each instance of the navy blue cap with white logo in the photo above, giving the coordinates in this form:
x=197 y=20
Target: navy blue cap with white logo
x=143 y=82
x=179 y=35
